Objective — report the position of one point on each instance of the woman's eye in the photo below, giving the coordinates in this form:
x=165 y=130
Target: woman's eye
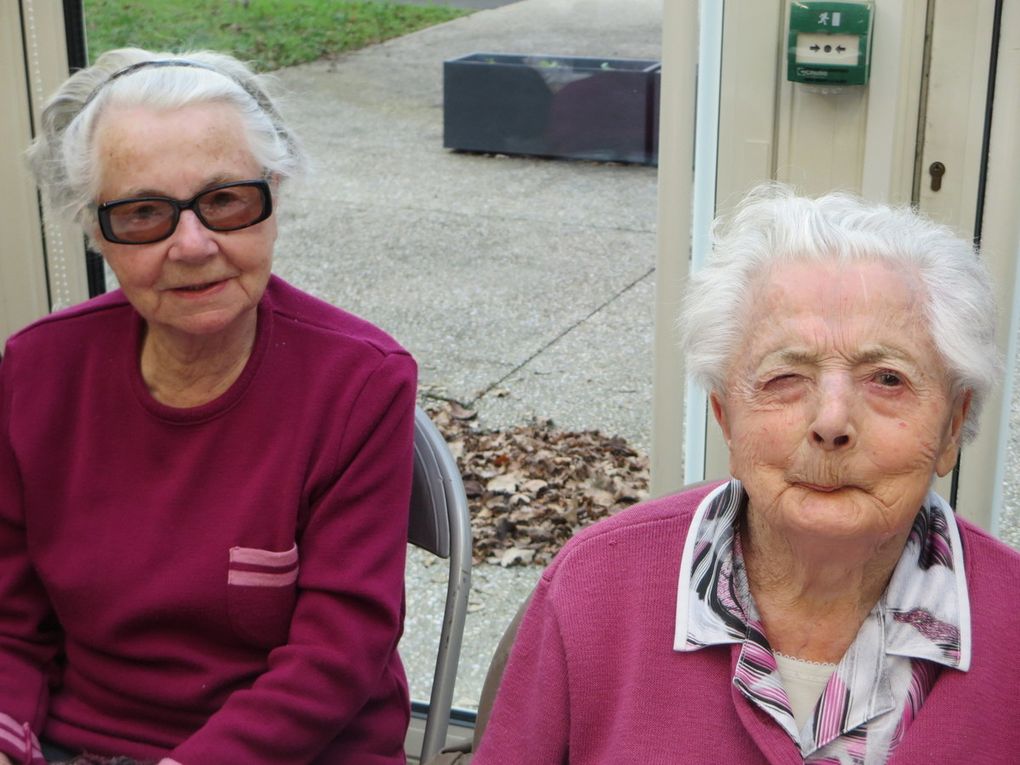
x=782 y=382
x=222 y=199
x=888 y=379
x=142 y=211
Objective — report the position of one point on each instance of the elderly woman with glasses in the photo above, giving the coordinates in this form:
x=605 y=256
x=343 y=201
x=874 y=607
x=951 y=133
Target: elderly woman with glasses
x=823 y=605
x=205 y=474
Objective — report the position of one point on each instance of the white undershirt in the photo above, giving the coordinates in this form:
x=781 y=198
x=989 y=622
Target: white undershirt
x=803 y=682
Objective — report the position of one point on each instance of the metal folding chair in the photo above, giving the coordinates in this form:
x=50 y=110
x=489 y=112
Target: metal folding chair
x=440 y=523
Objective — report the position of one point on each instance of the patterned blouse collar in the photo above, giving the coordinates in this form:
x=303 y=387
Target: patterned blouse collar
x=923 y=615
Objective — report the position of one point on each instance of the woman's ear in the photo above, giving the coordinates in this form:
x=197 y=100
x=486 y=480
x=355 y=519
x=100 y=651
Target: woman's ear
x=951 y=448
x=275 y=180
x=719 y=411
x=94 y=238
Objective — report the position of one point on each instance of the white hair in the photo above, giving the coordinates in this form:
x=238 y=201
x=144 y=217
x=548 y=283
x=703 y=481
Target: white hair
x=772 y=224
x=63 y=157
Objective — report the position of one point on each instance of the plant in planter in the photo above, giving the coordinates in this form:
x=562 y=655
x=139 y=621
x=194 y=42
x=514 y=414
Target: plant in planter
x=556 y=106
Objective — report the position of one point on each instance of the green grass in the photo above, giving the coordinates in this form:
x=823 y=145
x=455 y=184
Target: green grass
x=269 y=34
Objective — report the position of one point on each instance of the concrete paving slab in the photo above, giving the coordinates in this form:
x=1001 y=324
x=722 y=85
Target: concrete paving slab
x=472 y=300
x=571 y=377
x=490 y=257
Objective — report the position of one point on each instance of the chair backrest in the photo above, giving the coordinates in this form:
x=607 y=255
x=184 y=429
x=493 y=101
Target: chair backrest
x=441 y=523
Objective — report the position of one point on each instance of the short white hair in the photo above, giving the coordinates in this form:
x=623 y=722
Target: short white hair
x=63 y=157
x=772 y=224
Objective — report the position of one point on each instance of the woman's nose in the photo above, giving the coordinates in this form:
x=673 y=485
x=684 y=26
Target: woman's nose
x=191 y=240
x=833 y=427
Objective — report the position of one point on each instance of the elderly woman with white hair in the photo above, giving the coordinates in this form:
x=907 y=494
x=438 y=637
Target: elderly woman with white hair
x=824 y=605
x=205 y=474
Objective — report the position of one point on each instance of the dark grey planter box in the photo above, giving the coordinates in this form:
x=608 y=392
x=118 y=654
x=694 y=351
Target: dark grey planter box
x=553 y=106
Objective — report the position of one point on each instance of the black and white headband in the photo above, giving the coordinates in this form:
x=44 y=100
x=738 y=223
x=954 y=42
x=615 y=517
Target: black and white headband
x=260 y=98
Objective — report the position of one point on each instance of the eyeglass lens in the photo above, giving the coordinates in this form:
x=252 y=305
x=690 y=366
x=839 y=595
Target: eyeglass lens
x=224 y=208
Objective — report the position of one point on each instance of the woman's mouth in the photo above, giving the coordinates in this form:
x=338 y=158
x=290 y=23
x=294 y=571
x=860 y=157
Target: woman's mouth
x=194 y=289
x=821 y=487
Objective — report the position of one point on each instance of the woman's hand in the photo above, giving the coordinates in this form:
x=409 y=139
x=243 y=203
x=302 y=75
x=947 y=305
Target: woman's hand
x=5 y=760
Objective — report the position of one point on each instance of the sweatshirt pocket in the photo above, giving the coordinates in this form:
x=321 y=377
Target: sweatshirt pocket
x=261 y=592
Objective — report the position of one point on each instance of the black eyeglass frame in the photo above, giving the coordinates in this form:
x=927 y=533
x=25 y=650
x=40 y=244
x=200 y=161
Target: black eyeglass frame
x=103 y=210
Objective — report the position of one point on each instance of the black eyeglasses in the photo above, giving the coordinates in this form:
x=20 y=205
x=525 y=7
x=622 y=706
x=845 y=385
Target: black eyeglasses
x=225 y=207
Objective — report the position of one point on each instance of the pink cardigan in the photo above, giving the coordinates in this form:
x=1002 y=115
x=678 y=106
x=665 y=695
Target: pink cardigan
x=593 y=678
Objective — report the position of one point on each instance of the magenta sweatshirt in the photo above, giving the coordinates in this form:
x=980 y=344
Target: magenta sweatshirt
x=221 y=584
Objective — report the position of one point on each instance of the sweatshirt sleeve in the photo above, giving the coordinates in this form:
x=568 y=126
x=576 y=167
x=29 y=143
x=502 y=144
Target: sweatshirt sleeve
x=348 y=615
x=28 y=635
x=530 y=719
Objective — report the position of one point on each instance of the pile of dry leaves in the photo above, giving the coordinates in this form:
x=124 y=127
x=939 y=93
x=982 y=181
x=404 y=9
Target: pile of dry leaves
x=531 y=487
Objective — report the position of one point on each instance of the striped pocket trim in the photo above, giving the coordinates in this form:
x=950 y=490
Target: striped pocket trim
x=21 y=736
x=254 y=567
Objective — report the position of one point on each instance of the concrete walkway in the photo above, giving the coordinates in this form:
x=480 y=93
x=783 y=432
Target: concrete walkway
x=500 y=274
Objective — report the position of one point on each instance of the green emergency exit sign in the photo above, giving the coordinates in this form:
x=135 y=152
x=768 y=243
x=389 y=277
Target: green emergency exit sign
x=829 y=42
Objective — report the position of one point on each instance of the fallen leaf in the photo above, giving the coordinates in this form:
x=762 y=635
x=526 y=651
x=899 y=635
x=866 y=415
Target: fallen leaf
x=600 y=497
x=516 y=555
x=534 y=486
x=505 y=484
x=459 y=412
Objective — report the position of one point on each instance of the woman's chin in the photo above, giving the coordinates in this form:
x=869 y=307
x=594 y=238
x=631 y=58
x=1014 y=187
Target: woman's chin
x=845 y=513
x=207 y=324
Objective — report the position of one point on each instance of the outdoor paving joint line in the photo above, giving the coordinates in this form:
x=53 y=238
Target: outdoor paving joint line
x=478 y=397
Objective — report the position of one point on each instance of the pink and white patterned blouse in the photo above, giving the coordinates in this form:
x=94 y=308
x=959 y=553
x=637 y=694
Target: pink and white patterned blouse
x=920 y=625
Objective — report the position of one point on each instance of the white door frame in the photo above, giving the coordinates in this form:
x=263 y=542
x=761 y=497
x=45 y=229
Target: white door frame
x=42 y=260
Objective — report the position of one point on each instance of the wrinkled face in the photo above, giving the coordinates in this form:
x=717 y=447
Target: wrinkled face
x=197 y=282
x=837 y=409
